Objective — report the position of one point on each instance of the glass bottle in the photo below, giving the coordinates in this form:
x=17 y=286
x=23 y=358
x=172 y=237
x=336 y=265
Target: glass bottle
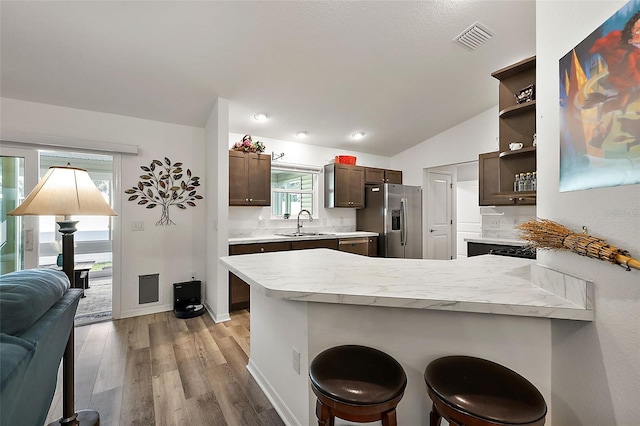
x=516 y=182
x=521 y=182
x=534 y=181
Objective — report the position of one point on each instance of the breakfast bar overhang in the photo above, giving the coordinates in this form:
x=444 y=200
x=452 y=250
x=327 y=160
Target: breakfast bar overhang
x=494 y=307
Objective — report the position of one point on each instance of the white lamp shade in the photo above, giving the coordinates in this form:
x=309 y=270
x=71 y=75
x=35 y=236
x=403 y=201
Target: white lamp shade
x=64 y=191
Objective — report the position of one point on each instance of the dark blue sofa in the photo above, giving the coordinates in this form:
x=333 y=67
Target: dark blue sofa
x=37 y=308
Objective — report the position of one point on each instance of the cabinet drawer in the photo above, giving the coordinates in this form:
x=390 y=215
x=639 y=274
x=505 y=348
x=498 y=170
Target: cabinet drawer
x=258 y=248
x=311 y=244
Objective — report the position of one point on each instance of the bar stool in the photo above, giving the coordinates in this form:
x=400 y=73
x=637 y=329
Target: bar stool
x=475 y=392
x=356 y=383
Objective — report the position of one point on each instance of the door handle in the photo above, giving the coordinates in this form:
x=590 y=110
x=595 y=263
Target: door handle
x=432 y=230
x=403 y=224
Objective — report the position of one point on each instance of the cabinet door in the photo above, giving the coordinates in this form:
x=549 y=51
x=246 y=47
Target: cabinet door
x=259 y=179
x=356 y=187
x=342 y=185
x=489 y=180
x=239 y=292
x=238 y=195
x=393 y=176
x=373 y=246
x=373 y=175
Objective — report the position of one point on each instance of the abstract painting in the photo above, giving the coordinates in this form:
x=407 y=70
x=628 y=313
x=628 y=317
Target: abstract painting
x=600 y=105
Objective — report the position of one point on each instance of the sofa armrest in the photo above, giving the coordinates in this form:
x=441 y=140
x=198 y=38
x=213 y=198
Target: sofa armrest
x=27 y=401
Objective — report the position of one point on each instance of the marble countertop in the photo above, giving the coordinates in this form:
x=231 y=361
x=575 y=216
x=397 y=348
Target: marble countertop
x=501 y=241
x=484 y=284
x=277 y=238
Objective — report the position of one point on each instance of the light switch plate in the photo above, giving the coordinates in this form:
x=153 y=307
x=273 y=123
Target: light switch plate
x=137 y=225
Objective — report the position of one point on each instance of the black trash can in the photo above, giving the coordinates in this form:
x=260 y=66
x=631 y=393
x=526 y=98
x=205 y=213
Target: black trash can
x=187 y=299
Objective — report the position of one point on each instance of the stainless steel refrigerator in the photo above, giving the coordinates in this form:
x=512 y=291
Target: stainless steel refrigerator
x=395 y=213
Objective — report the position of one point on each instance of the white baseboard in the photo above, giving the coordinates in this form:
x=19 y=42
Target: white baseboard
x=283 y=411
x=216 y=318
x=145 y=311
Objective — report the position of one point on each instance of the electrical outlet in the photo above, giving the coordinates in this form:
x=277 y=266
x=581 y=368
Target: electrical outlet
x=296 y=361
x=493 y=222
x=137 y=226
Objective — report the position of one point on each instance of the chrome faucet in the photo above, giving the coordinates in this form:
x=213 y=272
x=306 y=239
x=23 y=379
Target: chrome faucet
x=299 y=224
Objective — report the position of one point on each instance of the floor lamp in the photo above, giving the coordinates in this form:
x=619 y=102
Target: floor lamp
x=66 y=191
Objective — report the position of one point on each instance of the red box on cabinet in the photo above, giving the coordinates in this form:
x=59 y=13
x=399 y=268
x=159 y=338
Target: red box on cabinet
x=345 y=159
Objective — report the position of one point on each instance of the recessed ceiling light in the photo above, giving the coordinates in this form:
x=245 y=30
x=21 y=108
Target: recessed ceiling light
x=260 y=116
x=302 y=135
x=357 y=135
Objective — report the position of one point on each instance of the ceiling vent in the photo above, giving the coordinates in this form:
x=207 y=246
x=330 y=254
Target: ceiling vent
x=474 y=36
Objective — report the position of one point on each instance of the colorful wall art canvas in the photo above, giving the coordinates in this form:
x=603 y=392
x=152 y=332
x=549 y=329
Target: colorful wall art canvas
x=600 y=106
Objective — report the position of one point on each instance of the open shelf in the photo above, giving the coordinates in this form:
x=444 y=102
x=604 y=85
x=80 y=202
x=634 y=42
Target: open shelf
x=518 y=109
x=520 y=151
x=514 y=69
x=523 y=195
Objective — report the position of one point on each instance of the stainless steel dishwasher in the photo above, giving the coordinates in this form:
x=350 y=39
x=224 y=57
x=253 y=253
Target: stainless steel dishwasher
x=355 y=245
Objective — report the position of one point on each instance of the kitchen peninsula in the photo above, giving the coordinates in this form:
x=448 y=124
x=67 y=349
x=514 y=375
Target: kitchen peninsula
x=494 y=307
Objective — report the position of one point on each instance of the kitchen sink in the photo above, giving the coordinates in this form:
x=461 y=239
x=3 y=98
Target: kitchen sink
x=302 y=234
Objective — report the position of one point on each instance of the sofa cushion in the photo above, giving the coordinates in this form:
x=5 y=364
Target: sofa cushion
x=15 y=357
x=26 y=295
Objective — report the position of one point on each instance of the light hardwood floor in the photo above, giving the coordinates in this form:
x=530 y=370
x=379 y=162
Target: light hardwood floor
x=161 y=370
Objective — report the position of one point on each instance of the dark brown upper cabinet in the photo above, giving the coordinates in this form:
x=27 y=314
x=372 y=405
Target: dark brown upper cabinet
x=249 y=179
x=517 y=123
x=375 y=175
x=343 y=186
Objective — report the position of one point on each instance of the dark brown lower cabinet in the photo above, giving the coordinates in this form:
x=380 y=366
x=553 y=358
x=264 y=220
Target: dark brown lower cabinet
x=239 y=290
x=312 y=244
x=373 y=246
x=238 y=293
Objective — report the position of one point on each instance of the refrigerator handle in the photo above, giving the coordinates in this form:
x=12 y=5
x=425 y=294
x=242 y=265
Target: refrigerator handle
x=403 y=221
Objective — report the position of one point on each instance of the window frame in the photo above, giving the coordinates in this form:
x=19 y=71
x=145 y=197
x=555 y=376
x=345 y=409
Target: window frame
x=315 y=192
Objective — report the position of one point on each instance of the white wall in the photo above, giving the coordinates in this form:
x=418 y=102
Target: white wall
x=171 y=251
x=257 y=220
x=467 y=206
x=460 y=144
x=217 y=221
x=501 y=221
x=596 y=366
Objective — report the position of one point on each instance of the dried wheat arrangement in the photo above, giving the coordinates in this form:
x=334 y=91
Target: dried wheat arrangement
x=547 y=234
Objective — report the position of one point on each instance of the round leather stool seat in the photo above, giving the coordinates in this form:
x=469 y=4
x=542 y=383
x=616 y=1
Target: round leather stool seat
x=356 y=383
x=484 y=390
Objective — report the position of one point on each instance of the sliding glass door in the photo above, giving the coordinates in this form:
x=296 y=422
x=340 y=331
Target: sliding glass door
x=18 y=234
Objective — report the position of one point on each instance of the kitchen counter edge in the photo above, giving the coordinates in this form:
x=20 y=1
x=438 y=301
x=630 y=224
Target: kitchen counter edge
x=279 y=238
x=498 y=241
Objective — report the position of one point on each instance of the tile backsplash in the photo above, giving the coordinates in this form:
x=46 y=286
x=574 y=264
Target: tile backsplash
x=501 y=221
x=255 y=221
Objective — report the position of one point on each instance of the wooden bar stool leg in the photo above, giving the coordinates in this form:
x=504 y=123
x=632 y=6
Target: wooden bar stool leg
x=434 y=416
x=389 y=418
x=324 y=416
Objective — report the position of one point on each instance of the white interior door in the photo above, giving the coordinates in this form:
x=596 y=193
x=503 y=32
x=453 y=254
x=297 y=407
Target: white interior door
x=439 y=219
x=18 y=234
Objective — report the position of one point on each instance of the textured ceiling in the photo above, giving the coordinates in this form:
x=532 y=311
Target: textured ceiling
x=389 y=69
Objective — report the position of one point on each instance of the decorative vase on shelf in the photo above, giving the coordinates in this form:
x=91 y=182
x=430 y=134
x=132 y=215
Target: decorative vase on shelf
x=59 y=260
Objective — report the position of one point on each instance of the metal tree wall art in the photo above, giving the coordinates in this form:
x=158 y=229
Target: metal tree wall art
x=163 y=185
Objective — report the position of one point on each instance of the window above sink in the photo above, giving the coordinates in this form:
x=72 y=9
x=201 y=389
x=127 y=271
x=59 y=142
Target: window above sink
x=293 y=188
